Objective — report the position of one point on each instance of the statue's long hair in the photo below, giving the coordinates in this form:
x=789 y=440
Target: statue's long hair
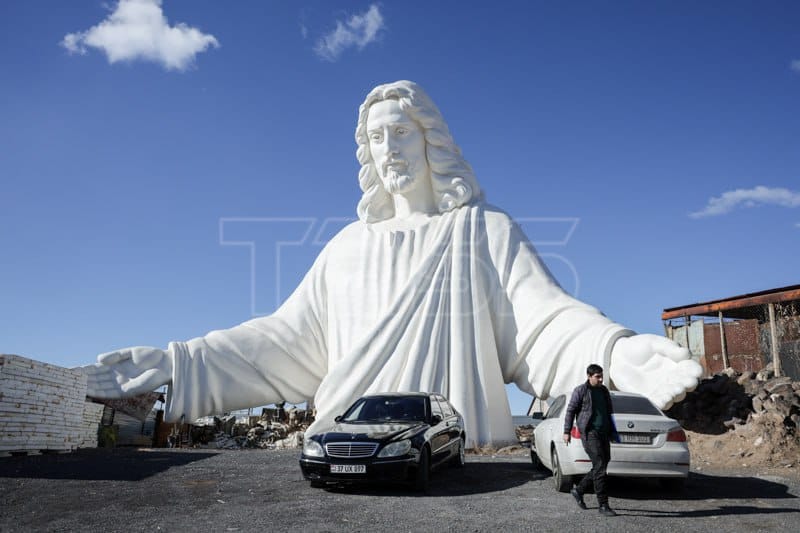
x=452 y=179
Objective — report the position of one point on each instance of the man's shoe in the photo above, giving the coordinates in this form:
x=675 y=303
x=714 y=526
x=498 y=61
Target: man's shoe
x=605 y=510
x=578 y=497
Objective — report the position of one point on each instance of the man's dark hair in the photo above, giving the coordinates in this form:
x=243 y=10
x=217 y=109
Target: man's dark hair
x=593 y=369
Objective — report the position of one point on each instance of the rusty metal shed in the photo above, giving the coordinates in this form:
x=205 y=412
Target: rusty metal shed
x=745 y=332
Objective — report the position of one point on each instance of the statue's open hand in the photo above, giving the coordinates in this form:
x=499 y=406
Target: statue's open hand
x=128 y=372
x=655 y=367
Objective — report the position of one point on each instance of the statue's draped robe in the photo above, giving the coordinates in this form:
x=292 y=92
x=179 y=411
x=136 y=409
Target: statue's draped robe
x=460 y=304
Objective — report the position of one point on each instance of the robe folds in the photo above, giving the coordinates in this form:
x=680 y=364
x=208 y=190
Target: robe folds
x=459 y=304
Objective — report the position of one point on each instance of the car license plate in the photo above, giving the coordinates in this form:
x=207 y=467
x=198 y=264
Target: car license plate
x=635 y=438
x=348 y=469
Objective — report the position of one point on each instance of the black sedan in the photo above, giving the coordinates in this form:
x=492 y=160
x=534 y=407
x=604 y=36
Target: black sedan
x=386 y=437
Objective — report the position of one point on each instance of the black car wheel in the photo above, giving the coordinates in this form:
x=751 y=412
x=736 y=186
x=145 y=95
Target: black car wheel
x=460 y=459
x=563 y=483
x=423 y=475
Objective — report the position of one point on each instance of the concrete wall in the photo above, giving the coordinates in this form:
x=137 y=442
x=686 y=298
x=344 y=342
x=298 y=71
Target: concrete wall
x=41 y=406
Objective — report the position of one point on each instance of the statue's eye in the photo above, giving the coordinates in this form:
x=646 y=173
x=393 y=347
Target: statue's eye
x=401 y=131
x=375 y=137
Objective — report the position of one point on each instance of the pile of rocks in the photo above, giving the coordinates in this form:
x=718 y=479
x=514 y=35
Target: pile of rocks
x=756 y=415
x=717 y=404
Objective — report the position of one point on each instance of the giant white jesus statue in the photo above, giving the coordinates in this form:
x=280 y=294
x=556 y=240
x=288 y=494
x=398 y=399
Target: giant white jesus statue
x=431 y=289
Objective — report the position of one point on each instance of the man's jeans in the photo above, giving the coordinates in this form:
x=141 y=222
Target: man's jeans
x=598 y=448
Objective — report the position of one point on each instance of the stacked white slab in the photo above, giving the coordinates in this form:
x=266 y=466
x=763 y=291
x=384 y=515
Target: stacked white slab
x=92 y=415
x=41 y=406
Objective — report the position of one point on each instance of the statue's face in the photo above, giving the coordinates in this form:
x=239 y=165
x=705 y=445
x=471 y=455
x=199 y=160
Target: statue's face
x=397 y=147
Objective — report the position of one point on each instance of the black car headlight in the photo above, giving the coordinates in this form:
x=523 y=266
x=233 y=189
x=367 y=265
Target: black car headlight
x=395 y=449
x=312 y=448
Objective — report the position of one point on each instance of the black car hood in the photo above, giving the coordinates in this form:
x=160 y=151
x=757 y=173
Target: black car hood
x=343 y=431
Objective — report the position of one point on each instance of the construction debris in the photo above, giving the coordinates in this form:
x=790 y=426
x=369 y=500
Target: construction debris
x=273 y=430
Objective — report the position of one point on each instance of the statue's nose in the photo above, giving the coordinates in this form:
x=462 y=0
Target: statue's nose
x=391 y=144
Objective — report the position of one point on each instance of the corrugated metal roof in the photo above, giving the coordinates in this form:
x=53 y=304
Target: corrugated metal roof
x=742 y=306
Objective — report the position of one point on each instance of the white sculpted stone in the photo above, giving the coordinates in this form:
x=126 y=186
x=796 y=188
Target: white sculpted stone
x=431 y=290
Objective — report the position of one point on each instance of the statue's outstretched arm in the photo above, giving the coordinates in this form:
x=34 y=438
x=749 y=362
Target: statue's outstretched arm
x=557 y=336
x=278 y=357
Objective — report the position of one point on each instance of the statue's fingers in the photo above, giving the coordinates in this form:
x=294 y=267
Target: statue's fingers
x=662 y=396
x=98 y=374
x=684 y=382
x=658 y=399
x=690 y=368
x=146 y=357
x=671 y=350
x=103 y=386
x=144 y=382
x=112 y=358
x=101 y=381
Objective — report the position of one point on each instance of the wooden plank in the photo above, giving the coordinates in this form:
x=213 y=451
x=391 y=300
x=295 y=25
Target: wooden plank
x=773 y=337
x=722 y=342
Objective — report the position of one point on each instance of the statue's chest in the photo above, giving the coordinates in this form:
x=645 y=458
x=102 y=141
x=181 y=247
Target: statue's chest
x=367 y=275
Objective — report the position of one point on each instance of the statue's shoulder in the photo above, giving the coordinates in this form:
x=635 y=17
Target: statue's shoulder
x=497 y=221
x=345 y=238
x=502 y=231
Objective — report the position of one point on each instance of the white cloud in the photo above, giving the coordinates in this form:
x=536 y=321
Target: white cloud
x=358 y=31
x=760 y=195
x=138 y=29
x=796 y=65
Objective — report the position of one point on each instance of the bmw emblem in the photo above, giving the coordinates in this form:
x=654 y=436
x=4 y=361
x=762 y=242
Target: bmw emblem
x=630 y=425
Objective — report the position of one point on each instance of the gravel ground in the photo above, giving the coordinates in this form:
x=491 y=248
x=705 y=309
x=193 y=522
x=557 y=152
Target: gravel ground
x=151 y=490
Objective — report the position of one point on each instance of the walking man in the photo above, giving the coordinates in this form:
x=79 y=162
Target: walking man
x=591 y=404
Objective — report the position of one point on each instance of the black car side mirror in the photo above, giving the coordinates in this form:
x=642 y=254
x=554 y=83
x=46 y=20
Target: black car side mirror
x=435 y=419
x=338 y=418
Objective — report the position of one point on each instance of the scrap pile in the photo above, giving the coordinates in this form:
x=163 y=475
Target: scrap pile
x=755 y=418
x=270 y=431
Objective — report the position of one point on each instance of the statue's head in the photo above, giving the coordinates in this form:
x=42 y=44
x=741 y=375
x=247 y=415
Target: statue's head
x=452 y=180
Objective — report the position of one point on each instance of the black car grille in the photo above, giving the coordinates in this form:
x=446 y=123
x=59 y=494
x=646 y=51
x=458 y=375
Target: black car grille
x=351 y=449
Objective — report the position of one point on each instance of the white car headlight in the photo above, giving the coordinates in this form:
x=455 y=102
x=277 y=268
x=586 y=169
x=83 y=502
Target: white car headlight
x=312 y=448
x=394 y=449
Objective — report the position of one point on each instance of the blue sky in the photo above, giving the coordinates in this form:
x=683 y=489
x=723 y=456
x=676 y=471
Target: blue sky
x=650 y=149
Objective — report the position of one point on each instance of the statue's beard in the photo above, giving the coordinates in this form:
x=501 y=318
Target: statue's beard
x=398 y=182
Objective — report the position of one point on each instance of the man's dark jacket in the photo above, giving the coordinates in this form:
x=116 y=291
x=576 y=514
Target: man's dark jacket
x=580 y=404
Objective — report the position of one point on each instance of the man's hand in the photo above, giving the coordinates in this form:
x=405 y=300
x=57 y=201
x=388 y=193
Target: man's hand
x=567 y=438
x=128 y=372
x=655 y=367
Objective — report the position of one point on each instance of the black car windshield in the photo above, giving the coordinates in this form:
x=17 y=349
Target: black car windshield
x=634 y=405
x=384 y=408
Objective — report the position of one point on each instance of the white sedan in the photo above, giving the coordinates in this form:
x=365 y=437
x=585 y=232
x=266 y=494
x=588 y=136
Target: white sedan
x=651 y=444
